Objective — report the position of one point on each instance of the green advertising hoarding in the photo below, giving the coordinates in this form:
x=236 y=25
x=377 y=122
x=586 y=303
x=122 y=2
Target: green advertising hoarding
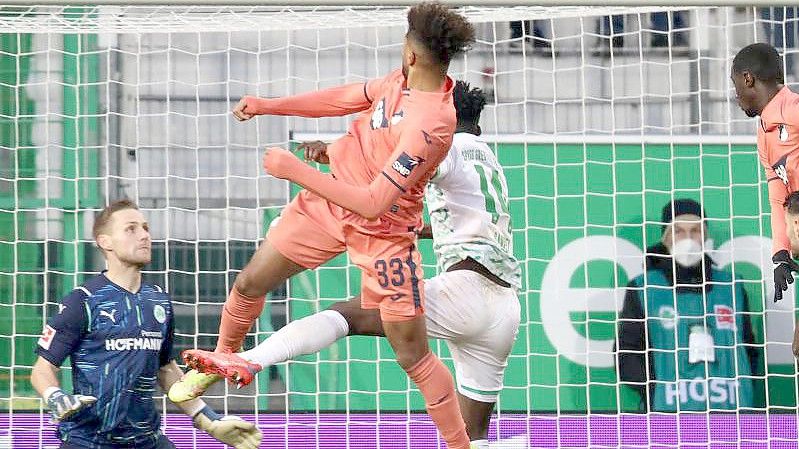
x=582 y=216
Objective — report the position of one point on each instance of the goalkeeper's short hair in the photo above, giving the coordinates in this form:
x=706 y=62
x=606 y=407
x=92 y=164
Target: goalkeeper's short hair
x=104 y=217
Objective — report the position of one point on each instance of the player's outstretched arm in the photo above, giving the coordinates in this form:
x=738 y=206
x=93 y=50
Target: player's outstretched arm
x=410 y=161
x=333 y=102
x=44 y=378
x=230 y=430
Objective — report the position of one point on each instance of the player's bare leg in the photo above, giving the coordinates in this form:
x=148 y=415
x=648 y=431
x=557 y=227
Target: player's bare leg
x=476 y=415
x=409 y=341
x=361 y=321
x=266 y=270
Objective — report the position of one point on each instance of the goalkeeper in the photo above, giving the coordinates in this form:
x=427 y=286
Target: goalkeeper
x=118 y=332
x=758 y=78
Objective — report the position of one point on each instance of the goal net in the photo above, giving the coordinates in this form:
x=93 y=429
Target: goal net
x=599 y=116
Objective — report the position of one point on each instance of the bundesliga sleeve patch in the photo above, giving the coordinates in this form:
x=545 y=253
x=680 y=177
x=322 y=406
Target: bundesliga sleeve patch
x=47 y=337
x=405 y=164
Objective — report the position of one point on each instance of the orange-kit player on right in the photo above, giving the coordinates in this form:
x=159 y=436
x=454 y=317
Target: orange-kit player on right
x=758 y=78
x=369 y=206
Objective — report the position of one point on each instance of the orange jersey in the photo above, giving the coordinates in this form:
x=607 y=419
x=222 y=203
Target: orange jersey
x=778 y=148
x=406 y=129
x=391 y=150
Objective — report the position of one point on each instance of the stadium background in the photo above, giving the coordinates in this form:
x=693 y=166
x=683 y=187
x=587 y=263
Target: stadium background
x=589 y=165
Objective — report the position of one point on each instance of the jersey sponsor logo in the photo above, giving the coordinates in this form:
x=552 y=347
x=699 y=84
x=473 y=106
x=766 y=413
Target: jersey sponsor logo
x=668 y=319
x=721 y=391
x=725 y=318
x=780 y=170
x=405 y=164
x=159 y=313
x=783 y=132
x=133 y=344
x=110 y=315
x=47 y=337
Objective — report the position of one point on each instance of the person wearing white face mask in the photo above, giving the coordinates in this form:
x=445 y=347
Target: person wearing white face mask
x=685 y=338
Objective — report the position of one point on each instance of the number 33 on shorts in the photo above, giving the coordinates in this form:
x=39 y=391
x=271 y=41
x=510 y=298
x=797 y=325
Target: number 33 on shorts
x=393 y=284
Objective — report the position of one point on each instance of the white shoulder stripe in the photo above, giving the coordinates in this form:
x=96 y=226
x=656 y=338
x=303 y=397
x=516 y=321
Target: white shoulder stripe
x=83 y=289
x=160 y=290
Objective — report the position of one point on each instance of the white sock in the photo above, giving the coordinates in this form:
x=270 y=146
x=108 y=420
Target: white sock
x=479 y=444
x=304 y=336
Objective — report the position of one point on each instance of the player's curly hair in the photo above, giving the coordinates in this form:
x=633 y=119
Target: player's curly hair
x=444 y=32
x=469 y=103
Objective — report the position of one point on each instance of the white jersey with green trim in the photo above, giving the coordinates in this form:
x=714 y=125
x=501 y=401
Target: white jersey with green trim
x=467 y=200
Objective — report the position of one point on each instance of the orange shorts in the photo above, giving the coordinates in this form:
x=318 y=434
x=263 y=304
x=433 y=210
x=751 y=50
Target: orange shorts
x=310 y=231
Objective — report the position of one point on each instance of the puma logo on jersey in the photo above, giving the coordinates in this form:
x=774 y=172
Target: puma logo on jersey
x=110 y=315
x=405 y=164
x=780 y=170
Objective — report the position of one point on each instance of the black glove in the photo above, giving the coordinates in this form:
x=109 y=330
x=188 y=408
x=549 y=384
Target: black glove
x=783 y=266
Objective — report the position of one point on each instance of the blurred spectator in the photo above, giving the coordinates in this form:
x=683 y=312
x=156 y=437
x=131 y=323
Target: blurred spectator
x=660 y=23
x=521 y=29
x=686 y=324
x=611 y=26
x=779 y=25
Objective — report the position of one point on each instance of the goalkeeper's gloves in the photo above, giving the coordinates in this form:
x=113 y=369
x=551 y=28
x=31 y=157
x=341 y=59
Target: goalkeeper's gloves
x=783 y=266
x=230 y=430
x=62 y=406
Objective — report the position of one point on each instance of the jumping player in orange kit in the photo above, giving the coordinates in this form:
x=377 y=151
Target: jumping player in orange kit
x=370 y=206
x=758 y=78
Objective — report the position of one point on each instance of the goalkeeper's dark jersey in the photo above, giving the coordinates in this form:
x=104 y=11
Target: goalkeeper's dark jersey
x=117 y=341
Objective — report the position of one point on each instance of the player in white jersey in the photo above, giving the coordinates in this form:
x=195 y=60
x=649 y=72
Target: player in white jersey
x=472 y=303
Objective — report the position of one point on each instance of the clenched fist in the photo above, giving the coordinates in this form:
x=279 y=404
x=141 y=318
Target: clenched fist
x=280 y=163
x=246 y=108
